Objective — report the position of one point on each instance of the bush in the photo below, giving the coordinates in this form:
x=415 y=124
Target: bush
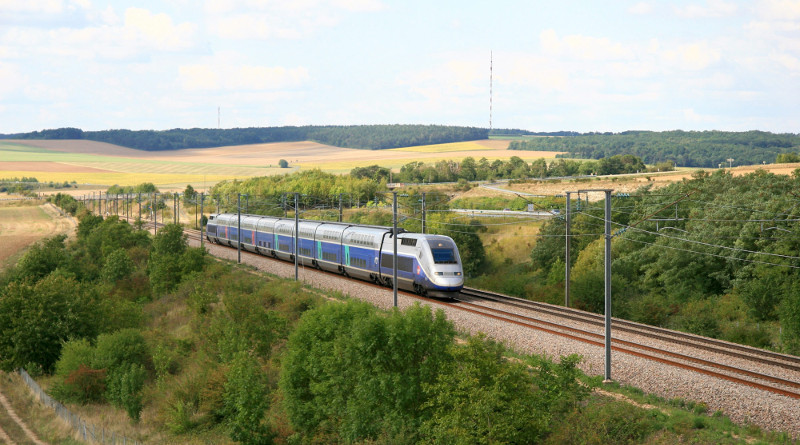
x=124 y=390
x=120 y=349
x=607 y=421
x=86 y=384
x=36 y=319
x=246 y=399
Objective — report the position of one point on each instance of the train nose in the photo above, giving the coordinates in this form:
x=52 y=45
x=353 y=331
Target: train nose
x=452 y=281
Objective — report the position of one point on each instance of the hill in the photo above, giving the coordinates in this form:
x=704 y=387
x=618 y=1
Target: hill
x=371 y=137
x=685 y=148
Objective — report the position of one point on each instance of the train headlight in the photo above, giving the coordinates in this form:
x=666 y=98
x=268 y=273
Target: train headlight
x=458 y=274
x=440 y=273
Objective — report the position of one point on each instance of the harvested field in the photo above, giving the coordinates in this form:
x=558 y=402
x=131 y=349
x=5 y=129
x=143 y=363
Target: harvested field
x=127 y=166
x=627 y=183
x=45 y=166
x=22 y=225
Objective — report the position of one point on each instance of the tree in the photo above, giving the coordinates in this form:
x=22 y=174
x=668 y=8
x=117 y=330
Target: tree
x=283 y=163
x=482 y=398
x=189 y=195
x=246 y=399
x=35 y=320
x=41 y=259
x=362 y=375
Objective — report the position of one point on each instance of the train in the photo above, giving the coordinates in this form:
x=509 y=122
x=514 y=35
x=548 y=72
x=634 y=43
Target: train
x=428 y=265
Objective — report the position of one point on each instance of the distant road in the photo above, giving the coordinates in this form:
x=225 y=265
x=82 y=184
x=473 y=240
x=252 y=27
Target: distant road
x=506 y=213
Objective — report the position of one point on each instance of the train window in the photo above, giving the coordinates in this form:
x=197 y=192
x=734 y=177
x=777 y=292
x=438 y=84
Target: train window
x=305 y=251
x=444 y=256
x=329 y=256
x=404 y=264
x=211 y=230
x=358 y=262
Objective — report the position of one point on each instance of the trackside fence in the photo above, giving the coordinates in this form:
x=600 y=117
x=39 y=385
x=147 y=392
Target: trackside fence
x=85 y=431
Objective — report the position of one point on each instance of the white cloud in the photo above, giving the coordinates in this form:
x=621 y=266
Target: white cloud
x=158 y=29
x=583 y=47
x=141 y=35
x=10 y=79
x=789 y=62
x=641 y=8
x=693 y=56
x=779 y=10
x=712 y=9
x=222 y=76
x=32 y=6
x=248 y=19
x=692 y=116
x=359 y=5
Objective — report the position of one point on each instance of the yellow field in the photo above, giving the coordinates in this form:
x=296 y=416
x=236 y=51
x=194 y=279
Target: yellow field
x=89 y=162
x=22 y=223
x=444 y=148
x=120 y=178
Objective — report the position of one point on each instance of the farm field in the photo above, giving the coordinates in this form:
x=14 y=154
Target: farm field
x=22 y=223
x=89 y=162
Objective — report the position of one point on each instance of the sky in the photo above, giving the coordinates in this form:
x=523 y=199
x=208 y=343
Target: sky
x=569 y=65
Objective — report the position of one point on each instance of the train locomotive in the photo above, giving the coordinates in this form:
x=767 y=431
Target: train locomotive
x=426 y=264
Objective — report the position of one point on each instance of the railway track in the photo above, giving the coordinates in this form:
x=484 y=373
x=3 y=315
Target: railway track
x=586 y=327
x=667 y=353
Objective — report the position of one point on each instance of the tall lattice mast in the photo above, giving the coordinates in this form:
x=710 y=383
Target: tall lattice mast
x=490 y=91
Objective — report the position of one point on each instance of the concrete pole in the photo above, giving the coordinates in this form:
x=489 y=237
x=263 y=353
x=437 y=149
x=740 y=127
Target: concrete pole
x=394 y=238
x=608 y=286
x=239 y=229
x=566 y=254
x=296 y=235
x=423 y=212
x=202 y=198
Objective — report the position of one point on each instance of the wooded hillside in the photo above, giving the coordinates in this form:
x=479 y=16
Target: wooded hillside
x=370 y=137
x=685 y=148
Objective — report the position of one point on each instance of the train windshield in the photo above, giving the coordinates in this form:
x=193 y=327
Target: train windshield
x=444 y=256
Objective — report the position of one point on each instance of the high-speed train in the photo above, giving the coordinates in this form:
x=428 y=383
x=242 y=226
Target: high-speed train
x=426 y=264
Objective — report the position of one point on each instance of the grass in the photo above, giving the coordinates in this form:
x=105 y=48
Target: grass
x=22 y=223
x=38 y=418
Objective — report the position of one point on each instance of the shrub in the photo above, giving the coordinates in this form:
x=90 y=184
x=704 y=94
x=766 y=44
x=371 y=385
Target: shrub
x=121 y=348
x=124 y=389
x=85 y=384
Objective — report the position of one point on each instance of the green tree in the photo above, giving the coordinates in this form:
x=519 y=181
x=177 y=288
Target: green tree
x=117 y=265
x=41 y=259
x=283 y=163
x=482 y=398
x=361 y=375
x=124 y=389
x=35 y=320
x=246 y=399
x=189 y=195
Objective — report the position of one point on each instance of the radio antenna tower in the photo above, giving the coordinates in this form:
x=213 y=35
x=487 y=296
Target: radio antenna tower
x=217 y=118
x=490 y=90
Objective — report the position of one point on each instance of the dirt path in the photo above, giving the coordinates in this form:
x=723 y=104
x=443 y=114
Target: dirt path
x=13 y=415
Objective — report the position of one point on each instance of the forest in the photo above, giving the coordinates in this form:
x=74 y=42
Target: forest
x=683 y=148
x=368 y=137
x=468 y=169
x=716 y=255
